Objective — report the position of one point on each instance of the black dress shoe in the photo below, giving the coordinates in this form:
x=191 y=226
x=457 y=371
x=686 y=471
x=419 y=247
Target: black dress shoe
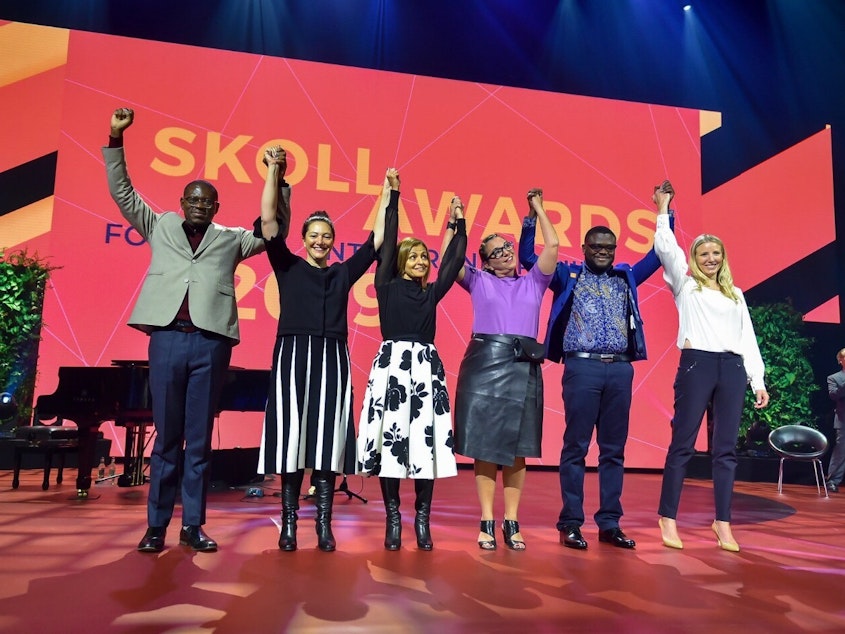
x=196 y=538
x=153 y=541
x=570 y=536
x=616 y=537
x=832 y=486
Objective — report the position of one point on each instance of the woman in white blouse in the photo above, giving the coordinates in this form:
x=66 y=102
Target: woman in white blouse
x=719 y=356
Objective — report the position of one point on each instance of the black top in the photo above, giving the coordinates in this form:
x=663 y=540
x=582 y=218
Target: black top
x=314 y=300
x=406 y=311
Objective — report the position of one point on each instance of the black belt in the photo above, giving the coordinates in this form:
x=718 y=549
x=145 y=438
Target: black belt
x=599 y=356
x=505 y=339
x=181 y=325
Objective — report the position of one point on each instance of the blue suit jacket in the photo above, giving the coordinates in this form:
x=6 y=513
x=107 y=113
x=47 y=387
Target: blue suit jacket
x=563 y=282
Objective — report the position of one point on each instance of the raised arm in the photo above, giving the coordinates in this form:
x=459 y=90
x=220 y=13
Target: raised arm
x=547 y=260
x=391 y=183
x=456 y=211
x=666 y=246
x=132 y=207
x=387 y=223
x=453 y=257
x=527 y=257
x=275 y=197
x=649 y=263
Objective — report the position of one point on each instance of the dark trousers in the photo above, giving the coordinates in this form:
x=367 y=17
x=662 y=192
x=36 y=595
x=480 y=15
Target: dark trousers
x=702 y=378
x=836 y=468
x=595 y=395
x=187 y=371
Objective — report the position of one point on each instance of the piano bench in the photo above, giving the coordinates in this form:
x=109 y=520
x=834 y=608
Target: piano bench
x=45 y=440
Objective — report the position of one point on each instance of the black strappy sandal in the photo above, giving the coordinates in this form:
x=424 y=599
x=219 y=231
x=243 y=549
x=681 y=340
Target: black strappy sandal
x=488 y=527
x=509 y=529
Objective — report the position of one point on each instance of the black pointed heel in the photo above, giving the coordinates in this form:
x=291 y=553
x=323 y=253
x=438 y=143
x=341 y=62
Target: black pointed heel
x=489 y=528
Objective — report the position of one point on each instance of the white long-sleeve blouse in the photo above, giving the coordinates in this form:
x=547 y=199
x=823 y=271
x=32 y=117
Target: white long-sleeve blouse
x=707 y=319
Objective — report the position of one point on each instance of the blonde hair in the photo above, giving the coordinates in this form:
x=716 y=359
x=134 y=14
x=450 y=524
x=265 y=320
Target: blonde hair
x=723 y=278
x=404 y=253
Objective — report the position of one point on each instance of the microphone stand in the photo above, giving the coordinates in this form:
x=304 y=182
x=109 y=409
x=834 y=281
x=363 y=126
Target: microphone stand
x=342 y=488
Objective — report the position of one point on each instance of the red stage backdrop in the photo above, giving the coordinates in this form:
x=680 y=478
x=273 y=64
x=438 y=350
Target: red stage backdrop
x=203 y=113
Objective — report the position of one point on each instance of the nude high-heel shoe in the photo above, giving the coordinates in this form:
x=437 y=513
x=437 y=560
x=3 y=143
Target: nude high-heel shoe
x=669 y=542
x=732 y=547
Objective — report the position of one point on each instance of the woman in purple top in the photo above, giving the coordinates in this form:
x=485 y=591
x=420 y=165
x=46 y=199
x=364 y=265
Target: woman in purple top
x=499 y=396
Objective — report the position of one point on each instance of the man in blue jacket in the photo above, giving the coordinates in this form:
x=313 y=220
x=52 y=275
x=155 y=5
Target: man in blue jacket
x=596 y=329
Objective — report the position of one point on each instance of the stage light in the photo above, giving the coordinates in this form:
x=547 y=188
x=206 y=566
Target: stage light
x=8 y=406
x=687 y=7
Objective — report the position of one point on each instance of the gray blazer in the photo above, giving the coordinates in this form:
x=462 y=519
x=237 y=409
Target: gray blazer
x=836 y=391
x=174 y=268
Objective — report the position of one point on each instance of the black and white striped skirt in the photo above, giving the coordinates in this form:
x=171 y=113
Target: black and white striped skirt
x=308 y=420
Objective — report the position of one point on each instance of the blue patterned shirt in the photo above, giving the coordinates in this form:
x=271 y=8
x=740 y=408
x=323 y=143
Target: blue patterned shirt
x=598 y=322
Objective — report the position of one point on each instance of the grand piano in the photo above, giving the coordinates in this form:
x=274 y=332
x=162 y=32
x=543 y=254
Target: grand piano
x=89 y=396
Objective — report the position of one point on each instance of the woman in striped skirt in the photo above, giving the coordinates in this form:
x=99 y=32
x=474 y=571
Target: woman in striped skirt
x=308 y=421
x=405 y=429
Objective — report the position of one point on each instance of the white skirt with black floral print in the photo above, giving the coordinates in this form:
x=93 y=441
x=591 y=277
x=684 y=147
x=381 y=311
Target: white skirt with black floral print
x=405 y=430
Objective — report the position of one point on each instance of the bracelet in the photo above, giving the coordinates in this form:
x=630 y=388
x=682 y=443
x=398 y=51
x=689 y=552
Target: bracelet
x=452 y=225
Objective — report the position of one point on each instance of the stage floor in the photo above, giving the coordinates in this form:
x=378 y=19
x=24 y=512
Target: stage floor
x=71 y=566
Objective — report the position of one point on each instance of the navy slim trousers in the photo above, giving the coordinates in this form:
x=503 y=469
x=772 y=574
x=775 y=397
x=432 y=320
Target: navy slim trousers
x=702 y=378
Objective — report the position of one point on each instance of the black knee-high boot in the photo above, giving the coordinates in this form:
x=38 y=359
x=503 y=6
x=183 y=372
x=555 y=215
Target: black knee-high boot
x=324 y=495
x=424 y=489
x=291 y=485
x=393 y=521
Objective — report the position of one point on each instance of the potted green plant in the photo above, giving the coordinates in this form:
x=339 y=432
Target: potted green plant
x=789 y=375
x=23 y=279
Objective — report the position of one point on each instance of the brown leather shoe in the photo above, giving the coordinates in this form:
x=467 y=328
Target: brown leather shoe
x=153 y=541
x=196 y=538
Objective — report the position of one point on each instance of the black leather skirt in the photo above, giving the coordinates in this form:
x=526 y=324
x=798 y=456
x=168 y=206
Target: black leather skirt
x=498 y=403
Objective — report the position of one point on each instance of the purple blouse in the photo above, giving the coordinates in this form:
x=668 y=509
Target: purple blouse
x=505 y=305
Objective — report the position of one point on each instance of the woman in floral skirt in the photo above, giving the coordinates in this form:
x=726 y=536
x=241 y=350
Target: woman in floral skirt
x=405 y=429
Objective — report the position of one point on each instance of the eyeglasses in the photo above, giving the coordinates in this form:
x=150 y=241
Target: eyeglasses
x=598 y=248
x=202 y=203
x=498 y=252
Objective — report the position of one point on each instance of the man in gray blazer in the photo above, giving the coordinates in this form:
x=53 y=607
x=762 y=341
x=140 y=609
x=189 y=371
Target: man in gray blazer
x=836 y=391
x=187 y=307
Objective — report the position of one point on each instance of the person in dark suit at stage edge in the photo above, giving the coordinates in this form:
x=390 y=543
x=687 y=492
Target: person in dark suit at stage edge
x=836 y=391
x=595 y=328
x=187 y=307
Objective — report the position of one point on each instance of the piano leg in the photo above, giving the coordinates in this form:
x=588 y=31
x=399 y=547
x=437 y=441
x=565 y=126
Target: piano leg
x=140 y=446
x=87 y=448
x=133 y=461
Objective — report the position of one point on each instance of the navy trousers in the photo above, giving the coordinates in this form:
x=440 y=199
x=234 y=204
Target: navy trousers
x=702 y=378
x=595 y=395
x=187 y=371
